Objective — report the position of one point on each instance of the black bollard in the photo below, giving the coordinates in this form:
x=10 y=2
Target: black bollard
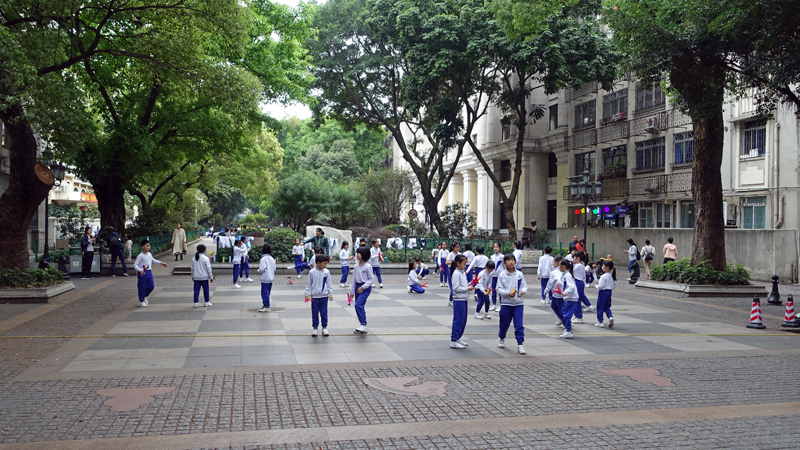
x=774 y=296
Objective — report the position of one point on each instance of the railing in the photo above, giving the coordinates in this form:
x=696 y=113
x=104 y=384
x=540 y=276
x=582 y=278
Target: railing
x=615 y=188
x=614 y=132
x=652 y=123
x=581 y=140
x=678 y=119
x=619 y=188
x=571 y=93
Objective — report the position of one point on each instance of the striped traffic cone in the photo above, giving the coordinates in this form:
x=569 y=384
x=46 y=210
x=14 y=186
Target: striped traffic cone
x=790 y=320
x=755 y=315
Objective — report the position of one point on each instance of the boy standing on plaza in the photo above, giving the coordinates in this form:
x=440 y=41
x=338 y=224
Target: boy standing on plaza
x=319 y=291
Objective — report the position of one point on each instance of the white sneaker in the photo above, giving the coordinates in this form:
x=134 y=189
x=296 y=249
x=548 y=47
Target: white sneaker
x=462 y=343
x=408 y=288
x=207 y=304
x=263 y=309
x=567 y=335
x=487 y=316
x=542 y=302
x=441 y=284
x=479 y=316
x=113 y=276
x=143 y=304
x=610 y=322
x=146 y=302
x=197 y=305
x=341 y=285
x=346 y=285
x=559 y=323
x=501 y=343
x=381 y=285
x=249 y=280
x=237 y=286
x=314 y=332
x=299 y=276
x=521 y=350
x=599 y=325
x=325 y=332
x=450 y=304
x=493 y=308
x=592 y=308
x=585 y=308
x=455 y=344
x=577 y=320
x=361 y=329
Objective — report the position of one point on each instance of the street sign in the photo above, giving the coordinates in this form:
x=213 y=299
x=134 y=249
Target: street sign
x=412 y=213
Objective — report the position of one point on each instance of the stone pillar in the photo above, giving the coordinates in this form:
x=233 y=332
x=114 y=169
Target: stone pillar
x=456 y=189
x=535 y=188
x=471 y=190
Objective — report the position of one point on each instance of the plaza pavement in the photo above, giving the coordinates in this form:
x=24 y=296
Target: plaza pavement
x=94 y=371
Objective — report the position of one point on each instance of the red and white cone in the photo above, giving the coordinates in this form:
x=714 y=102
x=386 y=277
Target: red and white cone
x=755 y=315
x=790 y=320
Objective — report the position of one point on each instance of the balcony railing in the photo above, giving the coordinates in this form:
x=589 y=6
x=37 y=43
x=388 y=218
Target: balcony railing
x=649 y=124
x=620 y=188
x=571 y=93
x=583 y=139
x=616 y=131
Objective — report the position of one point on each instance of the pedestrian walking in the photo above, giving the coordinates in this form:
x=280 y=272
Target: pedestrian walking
x=483 y=291
x=413 y=279
x=518 y=255
x=144 y=275
x=87 y=249
x=114 y=242
x=497 y=259
x=511 y=286
x=344 y=259
x=129 y=250
x=201 y=275
x=239 y=253
x=178 y=241
x=543 y=271
x=460 y=289
x=319 y=291
x=375 y=258
x=569 y=291
x=633 y=254
x=362 y=287
x=648 y=253
x=605 y=285
x=555 y=295
x=670 y=251
x=579 y=272
x=435 y=261
x=266 y=269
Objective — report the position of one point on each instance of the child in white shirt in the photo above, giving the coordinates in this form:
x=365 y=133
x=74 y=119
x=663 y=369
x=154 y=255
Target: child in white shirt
x=518 y=254
x=605 y=285
x=201 y=275
x=319 y=292
x=422 y=269
x=239 y=254
x=413 y=279
x=266 y=267
x=470 y=257
x=572 y=301
x=499 y=267
x=543 y=271
x=362 y=287
x=460 y=289
x=556 y=299
x=375 y=261
x=483 y=291
x=144 y=275
x=344 y=259
x=511 y=286
x=298 y=252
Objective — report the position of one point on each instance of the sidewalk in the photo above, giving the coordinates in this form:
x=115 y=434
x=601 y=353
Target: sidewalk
x=169 y=258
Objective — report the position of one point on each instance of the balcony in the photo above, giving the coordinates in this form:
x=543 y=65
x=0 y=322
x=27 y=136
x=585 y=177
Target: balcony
x=571 y=93
x=580 y=140
x=64 y=195
x=650 y=124
x=622 y=189
x=615 y=131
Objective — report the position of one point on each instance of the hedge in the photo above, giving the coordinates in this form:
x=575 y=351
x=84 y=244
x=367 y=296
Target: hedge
x=15 y=278
x=684 y=272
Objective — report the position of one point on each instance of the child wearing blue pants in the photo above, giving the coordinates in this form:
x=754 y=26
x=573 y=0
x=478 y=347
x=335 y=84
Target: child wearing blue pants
x=362 y=287
x=482 y=291
x=266 y=268
x=144 y=276
x=470 y=257
x=344 y=259
x=413 y=279
x=239 y=255
x=579 y=273
x=319 y=291
x=556 y=299
x=375 y=261
x=422 y=269
x=451 y=257
x=461 y=289
x=511 y=286
x=497 y=259
x=201 y=275
x=299 y=255
x=605 y=285
x=572 y=302
x=543 y=272
x=444 y=278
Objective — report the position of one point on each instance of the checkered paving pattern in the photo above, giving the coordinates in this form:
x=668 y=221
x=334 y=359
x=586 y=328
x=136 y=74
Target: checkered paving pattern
x=171 y=334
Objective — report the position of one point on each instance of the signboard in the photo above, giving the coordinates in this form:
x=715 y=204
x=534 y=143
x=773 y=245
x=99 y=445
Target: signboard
x=91 y=198
x=412 y=213
x=622 y=210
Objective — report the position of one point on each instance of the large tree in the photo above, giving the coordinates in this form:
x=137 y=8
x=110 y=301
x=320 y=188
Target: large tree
x=386 y=192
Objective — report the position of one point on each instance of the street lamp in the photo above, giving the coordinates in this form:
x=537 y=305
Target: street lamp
x=149 y=193
x=413 y=200
x=58 y=171
x=584 y=192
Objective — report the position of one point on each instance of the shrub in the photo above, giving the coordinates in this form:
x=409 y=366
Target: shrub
x=55 y=255
x=257 y=233
x=282 y=241
x=362 y=232
x=684 y=272
x=383 y=235
x=15 y=278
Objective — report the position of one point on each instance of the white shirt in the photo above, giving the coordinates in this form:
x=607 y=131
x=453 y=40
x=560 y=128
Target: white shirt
x=606 y=282
x=460 y=286
x=568 y=286
x=482 y=284
x=648 y=249
x=421 y=267
x=443 y=254
x=344 y=257
x=298 y=250
x=518 y=256
x=374 y=256
x=266 y=267
x=144 y=260
x=450 y=258
x=362 y=274
x=201 y=268
x=413 y=278
x=555 y=278
x=508 y=281
x=497 y=259
x=478 y=263
x=579 y=271
x=632 y=253
x=545 y=266
x=318 y=284
x=239 y=253
x=568 y=257
x=470 y=256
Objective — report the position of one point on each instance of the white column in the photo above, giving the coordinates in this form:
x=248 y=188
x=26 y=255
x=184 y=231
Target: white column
x=483 y=205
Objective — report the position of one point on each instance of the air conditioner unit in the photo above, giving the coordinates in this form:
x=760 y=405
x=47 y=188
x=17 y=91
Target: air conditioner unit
x=650 y=124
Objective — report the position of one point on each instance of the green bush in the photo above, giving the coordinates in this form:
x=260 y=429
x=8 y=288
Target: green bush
x=16 y=278
x=55 y=255
x=684 y=272
x=282 y=241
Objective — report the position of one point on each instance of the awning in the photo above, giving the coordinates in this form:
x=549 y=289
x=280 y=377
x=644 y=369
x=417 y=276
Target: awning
x=572 y=205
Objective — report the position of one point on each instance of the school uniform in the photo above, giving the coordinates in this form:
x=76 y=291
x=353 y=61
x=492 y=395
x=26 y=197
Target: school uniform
x=579 y=272
x=499 y=267
x=556 y=299
x=543 y=272
x=511 y=308
x=572 y=301
x=444 y=276
x=144 y=282
x=518 y=257
x=477 y=265
x=589 y=276
x=422 y=270
x=604 y=287
x=450 y=257
x=413 y=282
x=319 y=288
x=266 y=269
x=435 y=260
x=201 y=274
x=480 y=291
x=239 y=253
x=459 y=287
x=362 y=277
x=375 y=262
x=298 y=253
x=470 y=257
x=344 y=258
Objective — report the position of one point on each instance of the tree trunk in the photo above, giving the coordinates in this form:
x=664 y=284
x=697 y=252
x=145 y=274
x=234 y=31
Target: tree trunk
x=709 y=225
x=111 y=202
x=25 y=191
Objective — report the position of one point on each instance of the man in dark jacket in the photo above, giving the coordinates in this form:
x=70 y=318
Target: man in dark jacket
x=116 y=249
x=319 y=240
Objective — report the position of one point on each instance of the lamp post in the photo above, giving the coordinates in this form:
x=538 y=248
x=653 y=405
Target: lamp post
x=584 y=192
x=58 y=170
x=413 y=200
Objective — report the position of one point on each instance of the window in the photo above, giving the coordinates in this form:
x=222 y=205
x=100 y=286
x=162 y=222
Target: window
x=553 y=117
x=584 y=116
x=687 y=215
x=754 y=213
x=649 y=97
x=615 y=106
x=505 y=171
x=506 y=132
x=655 y=215
x=584 y=161
x=615 y=160
x=650 y=154
x=684 y=148
x=74 y=189
x=475 y=139
x=754 y=139
x=552 y=165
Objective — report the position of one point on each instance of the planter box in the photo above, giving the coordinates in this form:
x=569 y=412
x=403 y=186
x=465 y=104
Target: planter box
x=37 y=295
x=705 y=290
